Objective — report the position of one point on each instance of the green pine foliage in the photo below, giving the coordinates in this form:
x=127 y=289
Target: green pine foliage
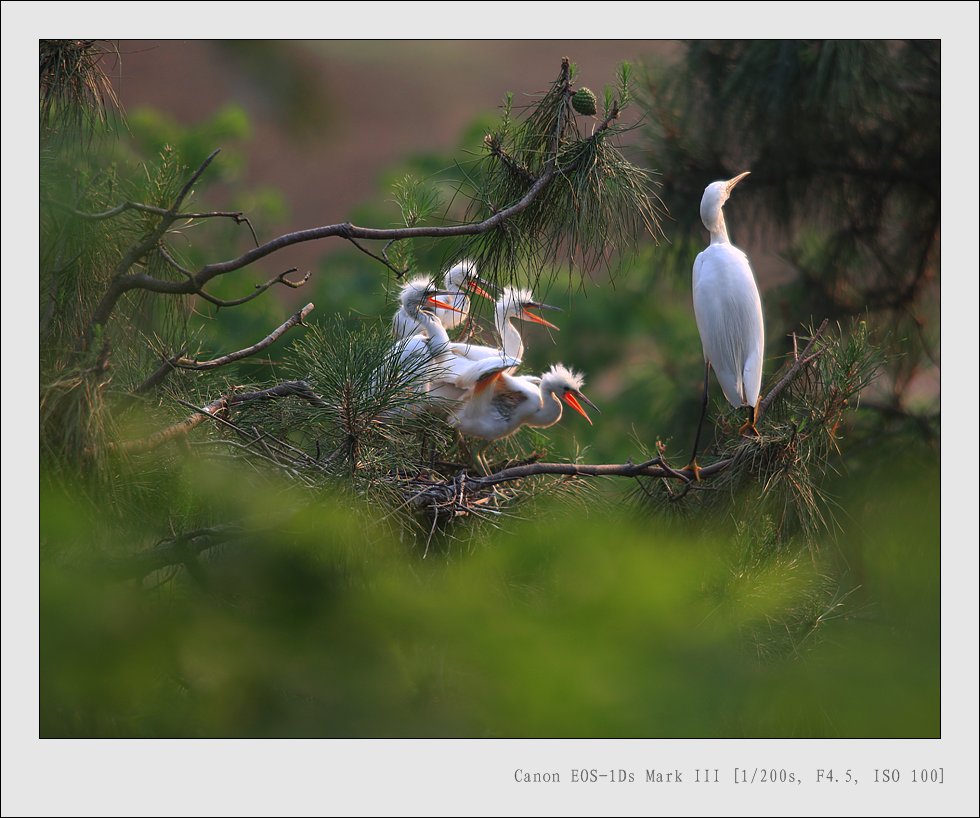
x=298 y=544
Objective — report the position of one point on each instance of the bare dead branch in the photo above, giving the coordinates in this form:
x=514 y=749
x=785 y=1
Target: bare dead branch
x=295 y=319
x=349 y=231
x=300 y=389
x=799 y=362
x=178 y=361
x=180 y=429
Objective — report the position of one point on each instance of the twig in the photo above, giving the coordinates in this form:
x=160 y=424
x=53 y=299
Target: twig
x=804 y=358
x=295 y=319
x=383 y=258
x=180 y=429
x=259 y=289
x=178 y=361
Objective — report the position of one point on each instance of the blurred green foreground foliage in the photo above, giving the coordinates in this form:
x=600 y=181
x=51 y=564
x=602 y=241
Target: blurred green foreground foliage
x=318 y=624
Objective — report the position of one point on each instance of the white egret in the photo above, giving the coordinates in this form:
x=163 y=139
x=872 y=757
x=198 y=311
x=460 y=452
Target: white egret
x=500 y=403
x=458 y=279
x=446 y=374
x=513 y=303
x=412 y=333
x=728 y=311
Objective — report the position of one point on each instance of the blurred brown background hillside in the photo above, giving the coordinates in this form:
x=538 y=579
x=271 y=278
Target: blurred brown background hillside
x=327 y=120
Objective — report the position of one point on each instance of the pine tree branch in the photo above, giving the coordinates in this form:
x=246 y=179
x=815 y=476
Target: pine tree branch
x=295 y=319
x=801 y=360
x=180 y=429
x=654 y=468
x=383 y=258
x=123 y=281
x=178 y=361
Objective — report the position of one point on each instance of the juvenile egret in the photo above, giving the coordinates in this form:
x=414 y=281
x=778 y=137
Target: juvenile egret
x=500 y=403
x=459 y=279
x=411 y=329
x=446 y=374
x=409 y=361
x=513 y=303
x=728 y=313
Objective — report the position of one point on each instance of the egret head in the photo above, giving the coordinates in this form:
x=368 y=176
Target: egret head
x=520 y=303
x=567 y=386
x=421 y=294
x=462 y=277
x=715 y=196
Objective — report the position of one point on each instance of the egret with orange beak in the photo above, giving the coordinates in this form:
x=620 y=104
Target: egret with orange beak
x=514 y=303
x=500 y=404
x=460 y=279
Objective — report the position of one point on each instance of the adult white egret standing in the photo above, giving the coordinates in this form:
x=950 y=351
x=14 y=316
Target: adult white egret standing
x=729 y=314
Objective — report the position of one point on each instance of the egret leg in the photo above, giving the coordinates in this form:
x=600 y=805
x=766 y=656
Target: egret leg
x=693 y=465
x=481 y=458
x=461 y=448
x=748 y=429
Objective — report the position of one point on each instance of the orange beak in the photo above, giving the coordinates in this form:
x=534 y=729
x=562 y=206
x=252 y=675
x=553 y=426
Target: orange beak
x=479 y=290
x=433 y=300
x=537 y=319
x=572 y=401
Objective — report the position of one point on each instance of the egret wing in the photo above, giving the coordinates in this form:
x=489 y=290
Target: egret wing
x=729 y=317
